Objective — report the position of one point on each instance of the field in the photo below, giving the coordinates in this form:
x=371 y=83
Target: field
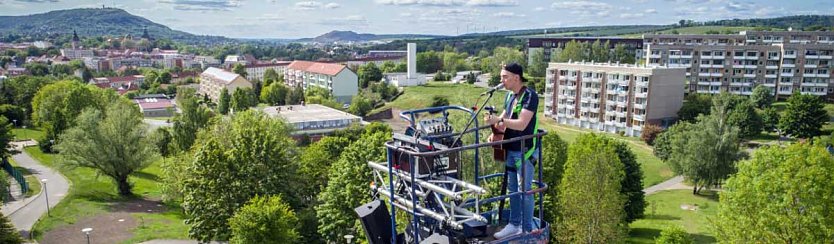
x=93 y=196
x=654 y=170
x=27 y=134
x=666 y=208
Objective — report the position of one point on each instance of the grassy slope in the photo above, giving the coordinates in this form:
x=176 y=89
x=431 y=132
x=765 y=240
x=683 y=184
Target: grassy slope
x=699 y=30
x=667 y=211
x=91 y=195
x=26 y=134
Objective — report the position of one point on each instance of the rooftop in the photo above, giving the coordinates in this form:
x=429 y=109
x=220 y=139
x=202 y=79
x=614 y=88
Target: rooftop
x=154 y=103
x=307 y=113
x=221 y=74
x=317 y=67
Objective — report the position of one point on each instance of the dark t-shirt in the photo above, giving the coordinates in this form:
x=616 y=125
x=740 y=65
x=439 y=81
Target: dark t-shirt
x=529 y=101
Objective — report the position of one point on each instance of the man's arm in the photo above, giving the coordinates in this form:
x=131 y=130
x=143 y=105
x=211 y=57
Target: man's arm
x=522 y=121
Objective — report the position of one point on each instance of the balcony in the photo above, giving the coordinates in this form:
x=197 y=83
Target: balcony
x=750 y=66
x=788 y=65
x=811 y=66
x=642 y=84
x=639 y=106
x=749 y=75
x=748 y=84
x=639 y=117
x=772 y=67
x=641 y=95
x=715 y=74
x=654 y=55
x=773 y=58
x=810 y=84
x=621 y=104
x=770 y=76
x=812 y=56
x=752 y=57
x=703 y=74
x=620 y=124
x=769 y=84
x=787 y=74
x=790 y=55
x=825 y=56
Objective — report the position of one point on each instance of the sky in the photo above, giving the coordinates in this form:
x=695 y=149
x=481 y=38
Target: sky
x=288 y=19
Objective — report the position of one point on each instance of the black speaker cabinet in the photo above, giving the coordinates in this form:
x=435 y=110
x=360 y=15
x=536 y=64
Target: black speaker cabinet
x=376 y=221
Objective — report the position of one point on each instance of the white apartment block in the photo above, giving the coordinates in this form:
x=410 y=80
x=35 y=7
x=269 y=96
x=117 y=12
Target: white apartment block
x=611 y=97
x=256 y=71
x=342 y=82
x=784 y=61
x=213 y=80
x=74 y=54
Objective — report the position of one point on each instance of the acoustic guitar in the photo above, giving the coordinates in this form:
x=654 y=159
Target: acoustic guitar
x=498 y=151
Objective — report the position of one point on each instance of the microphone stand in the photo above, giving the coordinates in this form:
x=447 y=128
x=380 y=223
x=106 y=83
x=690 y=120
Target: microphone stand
x=474 y=117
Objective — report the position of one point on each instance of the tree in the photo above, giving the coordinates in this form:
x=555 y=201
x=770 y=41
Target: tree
x=6 y=137
x=470 y=78
x=369 y=73
x=114 y=143
x=274 y=94
x=360 y=106
x=784 y=194
x=348 y=187
x=674 y=235
x=8 y=233
x=762 y=97
x=161 y=138
x=706 y=153
x=56 y=106
x=745 y=117
x=271 y=76
x=243 y=98
x=804 y=116
x=21 y=90
x=295 y=96
x=224 y=102
x=429 y=62
x=622 y=55
x=663 y=143
x=264 y=220
x=631 y=184
x=236 y=159
x=770 y=119
x=554 y=156
x=537 y=63
x=240 y=69
x=650 y=133
x=165 y=77
x=572 y=52
x=593 y=176
x=37 y=69
x=187 y=124
x=695 y=104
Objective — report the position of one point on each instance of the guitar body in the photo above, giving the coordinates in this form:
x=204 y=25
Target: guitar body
x=498 y=151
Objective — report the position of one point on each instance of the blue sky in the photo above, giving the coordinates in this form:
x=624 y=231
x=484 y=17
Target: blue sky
x=305 y=18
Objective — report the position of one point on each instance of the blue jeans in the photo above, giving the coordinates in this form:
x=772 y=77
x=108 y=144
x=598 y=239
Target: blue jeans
x=517 y=211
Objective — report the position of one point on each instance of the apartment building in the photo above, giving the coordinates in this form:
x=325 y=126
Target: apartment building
x=313 y=120
x=612 y=97
x=213 y=80
x=342 y=82
x=553 y=45
x=256 y=71
x=784 y=61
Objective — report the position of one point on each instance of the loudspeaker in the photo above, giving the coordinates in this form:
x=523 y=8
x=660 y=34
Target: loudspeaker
x=376 y=221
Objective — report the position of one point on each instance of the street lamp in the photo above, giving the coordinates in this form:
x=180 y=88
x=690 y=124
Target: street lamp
x=87 y=233
x=46 y=195
x=349 y=238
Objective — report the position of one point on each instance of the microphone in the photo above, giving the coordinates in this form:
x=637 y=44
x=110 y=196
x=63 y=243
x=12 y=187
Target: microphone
x=493 y=89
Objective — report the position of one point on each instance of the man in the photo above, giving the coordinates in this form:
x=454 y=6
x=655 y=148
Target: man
x=517 y=120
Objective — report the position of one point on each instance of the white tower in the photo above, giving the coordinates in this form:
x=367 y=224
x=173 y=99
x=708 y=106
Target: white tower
x=412 y=60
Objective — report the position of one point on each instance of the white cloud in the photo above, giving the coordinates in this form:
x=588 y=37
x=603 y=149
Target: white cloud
x=406 y=14
x=477 y=3
x=332 y=5
x=351 y=20
x=203 y=5
x=308 y=5
x=492 y=3
x=581 y=5
x=650 y=11
x=509 y=15
x=631 y=15
x=538 y=9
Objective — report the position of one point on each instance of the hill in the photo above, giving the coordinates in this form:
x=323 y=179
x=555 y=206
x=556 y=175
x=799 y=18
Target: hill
x=95 y=22
x=350 y=36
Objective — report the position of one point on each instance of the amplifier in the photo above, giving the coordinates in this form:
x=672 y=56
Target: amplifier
x=440 y=164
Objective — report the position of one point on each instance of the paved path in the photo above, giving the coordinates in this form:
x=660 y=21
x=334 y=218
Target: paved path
x=673 y=183
x=25 y=213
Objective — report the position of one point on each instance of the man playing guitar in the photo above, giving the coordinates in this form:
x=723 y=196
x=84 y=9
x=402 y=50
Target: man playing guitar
x=518 y=119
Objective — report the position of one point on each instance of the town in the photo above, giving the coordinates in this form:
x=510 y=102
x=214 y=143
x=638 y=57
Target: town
x=690 y=132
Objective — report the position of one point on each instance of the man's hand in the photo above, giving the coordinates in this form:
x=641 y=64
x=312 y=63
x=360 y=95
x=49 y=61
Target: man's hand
x=491 y=119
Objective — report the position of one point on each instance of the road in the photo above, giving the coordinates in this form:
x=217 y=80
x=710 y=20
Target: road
x=24 y=214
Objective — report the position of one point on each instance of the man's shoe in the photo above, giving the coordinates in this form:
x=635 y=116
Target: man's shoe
x=508 y=230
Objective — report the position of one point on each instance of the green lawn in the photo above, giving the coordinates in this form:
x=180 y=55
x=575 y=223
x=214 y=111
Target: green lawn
x=34 y=182
x=91 y=195
x=26 y=134
x=667 y=211
x=654 y=170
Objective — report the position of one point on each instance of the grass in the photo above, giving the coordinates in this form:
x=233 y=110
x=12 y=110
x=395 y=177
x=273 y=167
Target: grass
x=34 y=182
x=91 y=194
x=667 y=211
x=27 y=134
x=654 y=170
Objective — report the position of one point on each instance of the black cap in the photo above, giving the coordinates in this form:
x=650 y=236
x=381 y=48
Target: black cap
x=515 y=68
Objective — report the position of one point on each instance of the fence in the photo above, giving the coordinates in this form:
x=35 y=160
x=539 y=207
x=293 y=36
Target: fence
x=16 y=174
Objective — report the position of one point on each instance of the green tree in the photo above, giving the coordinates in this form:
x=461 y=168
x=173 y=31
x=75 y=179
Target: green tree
x=537 y=64
x=8 y=233
x=271 y=76
x=770 y=119
x=264 y=220
x=622 y=55
x=745 y=117
x=762 y=97
x=674 y=235
x=470 y=78
x=369 y=73
x=194 y=117
x=573 y=51
x=780 y=195
x=695 y=104
x=632 y=183
x=113 y=143
x=6 y=137
x=21 y=90
x=236 y=159
x=804 y=116
x=165 y=77
x=243 y=99
x=429 y=62
x=593 y=177
x=240 y=69
x=438 y=101
x=360 y=106
x=37 y=69
x=663 y=143
x=56 y=106
x=274 y=94
x=224 y=102
x=162 y=140
x=554 y=156
x=348 y=186
x=295 y=96
x=706 y=153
